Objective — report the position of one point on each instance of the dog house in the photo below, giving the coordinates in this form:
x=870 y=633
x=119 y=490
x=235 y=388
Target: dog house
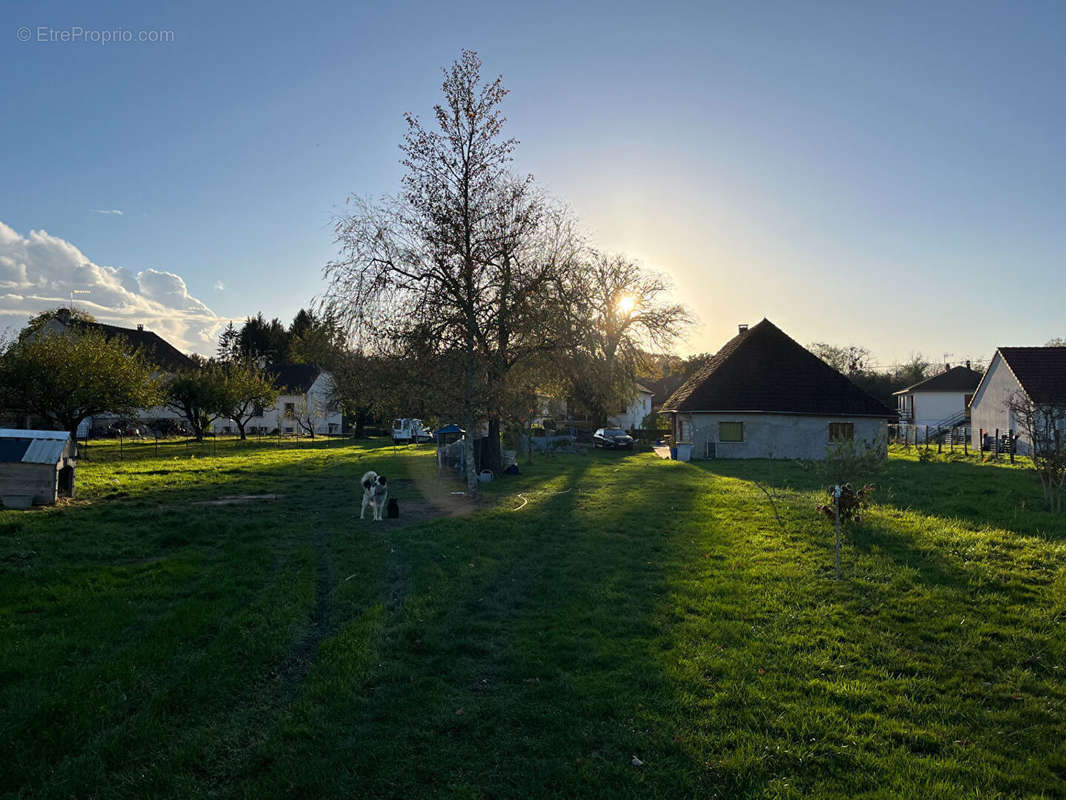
x=36 y=467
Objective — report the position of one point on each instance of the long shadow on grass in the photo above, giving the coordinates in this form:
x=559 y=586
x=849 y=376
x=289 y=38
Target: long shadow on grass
x=871 y=679
x=981 y=495
x=146 y=625
x=515 y=654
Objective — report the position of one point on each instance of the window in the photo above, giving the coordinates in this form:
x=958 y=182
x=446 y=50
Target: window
x=841 y=431
x=731 y=431
x=290 y=409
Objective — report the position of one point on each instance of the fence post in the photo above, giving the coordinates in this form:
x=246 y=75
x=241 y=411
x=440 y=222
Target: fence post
x=995 y=451
x=120 y=456
x=926 y=438
x=966 y=442
x=1010 y=435
x=836 y=516
x=157 y=444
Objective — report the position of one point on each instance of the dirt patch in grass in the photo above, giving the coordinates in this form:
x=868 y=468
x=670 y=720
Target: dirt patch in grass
x=428 y=503
x=239 y=500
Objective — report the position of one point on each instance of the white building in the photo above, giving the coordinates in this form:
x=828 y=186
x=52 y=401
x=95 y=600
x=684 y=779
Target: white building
x=939 y=403
x=763 y=395
x=1033 y=374
x=636 y=411
x=306 y=402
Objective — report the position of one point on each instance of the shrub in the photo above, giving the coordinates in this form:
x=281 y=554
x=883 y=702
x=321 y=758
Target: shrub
x=851 y=502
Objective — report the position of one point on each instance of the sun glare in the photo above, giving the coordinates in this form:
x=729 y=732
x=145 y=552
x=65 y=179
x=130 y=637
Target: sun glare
x=626 y=304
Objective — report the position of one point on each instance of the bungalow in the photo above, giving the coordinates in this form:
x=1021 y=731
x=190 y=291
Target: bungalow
x=1034 y=374
x=939 y=403
x=306 y=401
x=763 y=395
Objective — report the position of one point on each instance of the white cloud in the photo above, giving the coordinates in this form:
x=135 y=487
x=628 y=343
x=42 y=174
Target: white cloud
x=220 y=286
x=117 y=211
x=38 y=271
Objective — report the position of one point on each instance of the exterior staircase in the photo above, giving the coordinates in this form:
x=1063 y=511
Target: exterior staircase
x=947 y=426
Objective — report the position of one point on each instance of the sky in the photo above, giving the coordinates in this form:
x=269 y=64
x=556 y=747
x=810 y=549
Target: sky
x=890 y=175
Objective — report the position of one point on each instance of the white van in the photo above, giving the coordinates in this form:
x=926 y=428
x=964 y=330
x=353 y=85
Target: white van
x=405 y=431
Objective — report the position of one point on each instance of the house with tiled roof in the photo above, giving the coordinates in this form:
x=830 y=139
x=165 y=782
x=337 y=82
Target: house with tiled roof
x=940 y=403
x=156 y=350
x=764 y=395
x=1033 y=374
x=305 y=404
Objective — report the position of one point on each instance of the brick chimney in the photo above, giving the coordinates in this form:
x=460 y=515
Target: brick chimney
x=742 y=327
x=140 y=326
x=63 y=315
x=967 y=363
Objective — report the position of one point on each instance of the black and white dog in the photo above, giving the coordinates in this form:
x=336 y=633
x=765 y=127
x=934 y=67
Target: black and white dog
x=375 y=494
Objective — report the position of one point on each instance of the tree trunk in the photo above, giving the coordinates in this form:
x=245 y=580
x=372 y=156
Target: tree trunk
x=240 y=427
x=468 y=424
x=492 y=455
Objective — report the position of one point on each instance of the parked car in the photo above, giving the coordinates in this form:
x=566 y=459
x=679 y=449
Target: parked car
x=612 y=438
x=405 y=431
x=125 y=428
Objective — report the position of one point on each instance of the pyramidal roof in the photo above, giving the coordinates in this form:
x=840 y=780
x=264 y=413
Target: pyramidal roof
x=763 y=370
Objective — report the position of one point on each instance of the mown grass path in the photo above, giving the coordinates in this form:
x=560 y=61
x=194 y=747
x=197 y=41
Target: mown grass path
x=630 y=607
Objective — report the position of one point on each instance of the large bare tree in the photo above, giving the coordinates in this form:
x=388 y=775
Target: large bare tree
x=466 y=263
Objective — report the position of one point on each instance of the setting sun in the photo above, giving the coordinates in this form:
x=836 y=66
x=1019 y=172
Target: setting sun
x=626 y=304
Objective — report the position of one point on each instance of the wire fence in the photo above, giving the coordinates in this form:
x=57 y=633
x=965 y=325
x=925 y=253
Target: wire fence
x=120 y=448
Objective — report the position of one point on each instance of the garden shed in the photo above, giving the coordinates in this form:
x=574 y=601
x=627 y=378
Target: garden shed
x=36 y=467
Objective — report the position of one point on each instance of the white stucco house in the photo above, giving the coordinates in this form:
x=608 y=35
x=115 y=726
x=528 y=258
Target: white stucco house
x=939 y=403
x=764 y=395
x=306 y=402
x=1034 y=374
x=638 y=408
x=554 y=410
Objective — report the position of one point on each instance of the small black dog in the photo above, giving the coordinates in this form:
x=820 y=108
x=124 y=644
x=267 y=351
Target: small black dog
x=393 y=509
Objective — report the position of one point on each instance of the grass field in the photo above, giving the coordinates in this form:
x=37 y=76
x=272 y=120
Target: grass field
x=597 y=609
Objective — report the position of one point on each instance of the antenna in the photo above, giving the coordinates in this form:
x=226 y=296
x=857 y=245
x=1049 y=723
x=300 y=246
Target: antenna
x=74 y=292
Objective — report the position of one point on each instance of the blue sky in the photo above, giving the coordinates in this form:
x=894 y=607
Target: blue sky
x=889 y=174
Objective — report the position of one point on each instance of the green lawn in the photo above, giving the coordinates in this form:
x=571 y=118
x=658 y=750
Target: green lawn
x=599 y=608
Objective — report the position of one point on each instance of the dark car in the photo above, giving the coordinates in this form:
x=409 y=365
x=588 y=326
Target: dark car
x=612 y=438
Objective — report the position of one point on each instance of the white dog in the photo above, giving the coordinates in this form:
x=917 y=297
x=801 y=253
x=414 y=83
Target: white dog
x=375 y=494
